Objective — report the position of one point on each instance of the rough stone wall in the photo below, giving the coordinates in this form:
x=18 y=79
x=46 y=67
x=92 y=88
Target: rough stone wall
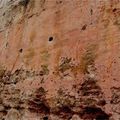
x=59 y=59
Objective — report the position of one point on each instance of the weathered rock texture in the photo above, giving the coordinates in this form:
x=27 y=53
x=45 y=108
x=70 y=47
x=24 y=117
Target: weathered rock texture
x=59 y=60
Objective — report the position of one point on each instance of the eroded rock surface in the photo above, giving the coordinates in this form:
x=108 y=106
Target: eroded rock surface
x=59 y=60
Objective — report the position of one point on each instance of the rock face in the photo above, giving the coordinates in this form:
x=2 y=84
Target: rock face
x=59 y=59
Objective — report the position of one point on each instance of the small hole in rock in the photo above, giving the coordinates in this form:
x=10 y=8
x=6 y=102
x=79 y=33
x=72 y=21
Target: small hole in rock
x=59 y=2
x=44 y=9
x=21 y=50
x=45 y=118
x=50 y=39
x=84 y=27
x=78 y=92
x=114 y=10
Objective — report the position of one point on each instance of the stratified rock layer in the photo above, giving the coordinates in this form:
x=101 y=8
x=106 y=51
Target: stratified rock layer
x=59 y=60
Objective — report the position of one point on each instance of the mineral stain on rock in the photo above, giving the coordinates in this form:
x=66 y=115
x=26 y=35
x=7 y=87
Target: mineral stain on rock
x=88 y=58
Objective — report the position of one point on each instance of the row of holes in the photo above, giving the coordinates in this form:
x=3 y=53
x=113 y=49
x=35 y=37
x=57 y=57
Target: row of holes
x=50 y=39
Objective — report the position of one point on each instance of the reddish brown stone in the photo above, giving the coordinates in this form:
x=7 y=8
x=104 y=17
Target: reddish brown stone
x=69 y=49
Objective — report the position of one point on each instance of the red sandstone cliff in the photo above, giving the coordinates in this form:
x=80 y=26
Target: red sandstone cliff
x=59 y=60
